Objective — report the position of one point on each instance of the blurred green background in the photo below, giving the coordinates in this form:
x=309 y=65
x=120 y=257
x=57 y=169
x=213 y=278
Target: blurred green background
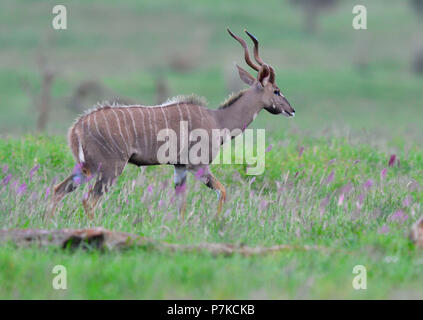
x=339 y=80
x=358 y=98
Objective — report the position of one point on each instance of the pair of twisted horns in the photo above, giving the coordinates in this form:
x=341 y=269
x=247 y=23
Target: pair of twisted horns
x=256 y=54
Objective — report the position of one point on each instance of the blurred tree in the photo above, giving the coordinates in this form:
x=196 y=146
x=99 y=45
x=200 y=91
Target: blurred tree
x=90 y=92
x=162 y=90
x=41 y=101
x=418 y=62
x=312 y=9
x=417 y=66
x=418 y=6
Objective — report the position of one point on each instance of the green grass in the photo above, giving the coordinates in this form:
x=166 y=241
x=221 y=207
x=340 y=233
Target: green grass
x=279 y=207
x=349 y=122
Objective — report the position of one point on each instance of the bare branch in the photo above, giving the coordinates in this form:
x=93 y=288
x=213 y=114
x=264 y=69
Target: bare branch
x=99 y=238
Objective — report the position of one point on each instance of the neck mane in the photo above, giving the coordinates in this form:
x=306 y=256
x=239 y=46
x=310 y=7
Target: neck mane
x=238 y=111
x=232 y=99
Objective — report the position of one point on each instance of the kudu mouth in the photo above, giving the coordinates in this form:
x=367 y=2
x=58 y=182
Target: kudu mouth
x=290 y=112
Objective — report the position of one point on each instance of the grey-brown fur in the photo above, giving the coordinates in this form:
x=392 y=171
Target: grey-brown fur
x=129 y=133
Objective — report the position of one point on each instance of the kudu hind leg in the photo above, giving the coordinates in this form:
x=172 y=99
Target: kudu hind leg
x=215 y=184
x=180 y=178
x=60 y=191
x=204 y=174
x=103 y=182
x=93 y=196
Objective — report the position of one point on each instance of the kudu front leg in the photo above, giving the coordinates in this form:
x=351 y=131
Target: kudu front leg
x=180 y=178
x=204 y=174
x=215 y=184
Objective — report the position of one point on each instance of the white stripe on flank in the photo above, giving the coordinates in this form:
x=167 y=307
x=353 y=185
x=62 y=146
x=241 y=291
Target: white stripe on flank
x=137 y=143
x=143 y=129
x=93 y=136
x=120 y=129
x=110 y=133
x=80 y=152
x=164 y=116
x=155 y=124
x=181 y=118
x=201 y=115
x=151 y=130
x=189 y=116
x=133 y=122
x=126 y=129
x=98 y=132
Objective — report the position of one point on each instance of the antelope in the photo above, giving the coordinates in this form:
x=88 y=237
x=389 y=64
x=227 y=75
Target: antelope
x=108 y=137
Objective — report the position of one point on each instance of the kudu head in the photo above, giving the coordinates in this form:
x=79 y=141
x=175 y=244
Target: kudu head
x=264 y=85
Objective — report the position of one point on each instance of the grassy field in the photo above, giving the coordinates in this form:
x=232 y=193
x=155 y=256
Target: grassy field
x=327 y=181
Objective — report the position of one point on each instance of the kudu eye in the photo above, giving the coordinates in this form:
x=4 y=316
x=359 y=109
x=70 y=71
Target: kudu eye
x=277 y=92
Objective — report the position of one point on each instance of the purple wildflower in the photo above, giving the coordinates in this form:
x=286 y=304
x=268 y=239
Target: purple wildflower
x=323 y=205
x=330 y=178
x=47 y=193
x=263 y=205
x=5 y=168
x=368 y=184
x=33 y=170
x=341 y=199
x=150 y=188
x=6 y=180
x=301 y=151
x=360 y=201
x=399 y=216
x=332 y=161
x=347 y=188
x=199 y=173
x=383 y=230
x=180 y=189
x=77 y=168
x=269 y=148
x=77 y=180
x=392 y=160
x=21 y=190
x=161 y=203
x=406 y=201
x=89 y=178
x=252 y=180
x=383 y=173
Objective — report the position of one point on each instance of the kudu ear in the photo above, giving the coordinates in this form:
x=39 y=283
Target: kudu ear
x=263 y=76
x=245 y=76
